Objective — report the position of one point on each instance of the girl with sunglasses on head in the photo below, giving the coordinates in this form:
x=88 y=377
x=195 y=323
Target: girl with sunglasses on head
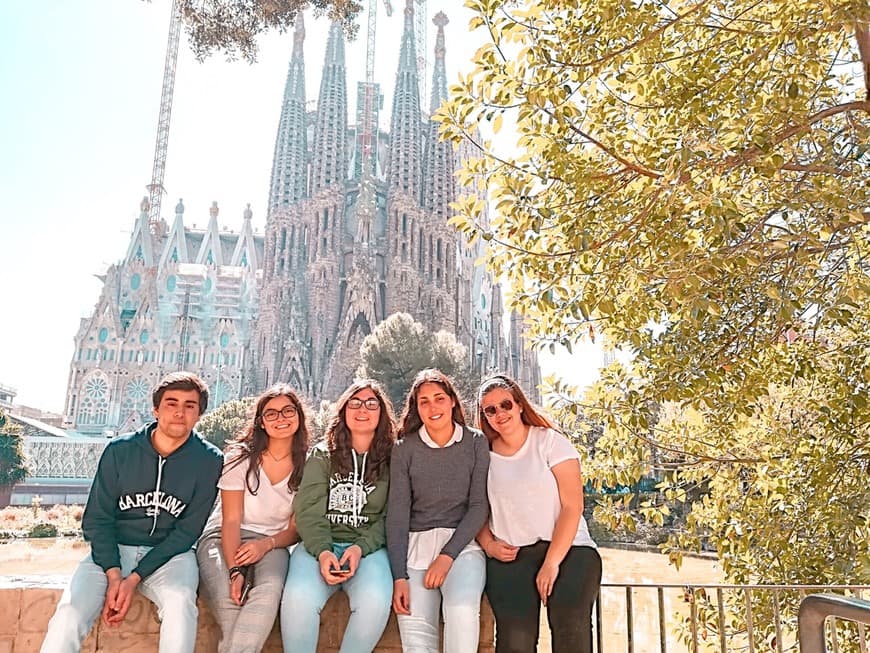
x=437 y=505
x=246 y=538
x=340 y=514
x=537 y=543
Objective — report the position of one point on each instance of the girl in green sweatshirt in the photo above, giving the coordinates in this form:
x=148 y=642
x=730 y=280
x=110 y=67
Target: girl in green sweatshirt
x=340 y=511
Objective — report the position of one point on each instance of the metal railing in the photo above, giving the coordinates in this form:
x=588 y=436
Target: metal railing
x=814 y=613
x=671 y=618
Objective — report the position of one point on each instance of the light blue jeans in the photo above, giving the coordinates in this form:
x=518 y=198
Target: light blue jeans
x=370 y=591
x=459 y=601
x=172 y=588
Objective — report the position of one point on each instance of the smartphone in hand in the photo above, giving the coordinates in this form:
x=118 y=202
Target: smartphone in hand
x=247 y=583
x=344 y=570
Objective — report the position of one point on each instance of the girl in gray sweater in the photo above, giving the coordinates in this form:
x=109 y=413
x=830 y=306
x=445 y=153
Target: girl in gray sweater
x=437 y=504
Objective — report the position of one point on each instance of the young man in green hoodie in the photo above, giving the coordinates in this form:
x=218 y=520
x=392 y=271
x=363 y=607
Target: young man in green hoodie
x=149 y=501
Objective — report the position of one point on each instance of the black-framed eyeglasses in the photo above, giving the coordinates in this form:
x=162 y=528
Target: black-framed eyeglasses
x=287 y=412
x=505 y=404
x=370 y=404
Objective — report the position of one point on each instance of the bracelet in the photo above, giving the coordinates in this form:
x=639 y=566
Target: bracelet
x=272 y=540
x=234 y=571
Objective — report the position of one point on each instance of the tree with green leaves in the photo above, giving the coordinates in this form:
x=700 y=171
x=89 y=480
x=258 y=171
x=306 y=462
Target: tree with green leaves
x=319 y=418
x=399 y=347
x=688 y=180
x=13 y=466
x=232 y=27
x=226 y=421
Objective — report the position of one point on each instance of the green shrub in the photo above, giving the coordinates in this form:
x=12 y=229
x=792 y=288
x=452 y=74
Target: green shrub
x=42 y=529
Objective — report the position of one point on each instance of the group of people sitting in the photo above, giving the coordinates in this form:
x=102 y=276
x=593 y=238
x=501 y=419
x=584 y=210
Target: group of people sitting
x=420 y=516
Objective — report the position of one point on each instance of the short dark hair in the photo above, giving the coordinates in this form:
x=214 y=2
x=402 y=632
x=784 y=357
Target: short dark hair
x=181 y=381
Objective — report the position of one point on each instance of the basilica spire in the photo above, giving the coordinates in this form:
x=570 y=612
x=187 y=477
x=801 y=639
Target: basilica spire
x=405 y=171
x=288 y=164
x=438 y=183
x=439 y=72
x=330 y=133
x=210 y=250
x=175 y=248
x=245 y=252
x=141 y=246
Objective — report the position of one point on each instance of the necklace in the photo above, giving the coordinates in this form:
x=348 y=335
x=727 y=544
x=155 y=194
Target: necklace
x=277 y=460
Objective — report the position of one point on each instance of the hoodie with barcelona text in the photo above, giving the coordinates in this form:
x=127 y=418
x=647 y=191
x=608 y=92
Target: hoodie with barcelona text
x=141 y=498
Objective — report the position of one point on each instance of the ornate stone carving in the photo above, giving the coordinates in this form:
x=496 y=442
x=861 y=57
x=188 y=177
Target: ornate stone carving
x=59 y=458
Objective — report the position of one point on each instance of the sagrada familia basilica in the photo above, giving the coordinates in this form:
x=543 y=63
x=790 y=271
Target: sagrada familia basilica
x=350 y=238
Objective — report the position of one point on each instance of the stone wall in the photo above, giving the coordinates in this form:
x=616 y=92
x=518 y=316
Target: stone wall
x=25 y=611
x=59 y=458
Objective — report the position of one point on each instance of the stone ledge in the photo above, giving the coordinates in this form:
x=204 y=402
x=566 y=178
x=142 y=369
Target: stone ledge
x=25 y=611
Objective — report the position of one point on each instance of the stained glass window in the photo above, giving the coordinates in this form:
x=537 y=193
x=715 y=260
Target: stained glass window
x=94 y=406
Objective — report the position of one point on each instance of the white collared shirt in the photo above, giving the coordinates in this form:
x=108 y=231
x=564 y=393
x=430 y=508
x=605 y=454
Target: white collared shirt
x=429 y=442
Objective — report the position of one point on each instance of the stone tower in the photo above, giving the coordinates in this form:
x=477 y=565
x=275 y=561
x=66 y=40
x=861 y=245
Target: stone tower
x=359 y=242
x=349 y=240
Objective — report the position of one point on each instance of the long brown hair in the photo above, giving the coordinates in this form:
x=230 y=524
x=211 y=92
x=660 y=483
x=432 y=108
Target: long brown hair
x=338 y=436
x=529 y=415
x=411 y=420
x=252 y=442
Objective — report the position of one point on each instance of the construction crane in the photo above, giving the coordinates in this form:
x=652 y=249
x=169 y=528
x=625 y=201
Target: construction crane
x=369 y=130
x=155 y=188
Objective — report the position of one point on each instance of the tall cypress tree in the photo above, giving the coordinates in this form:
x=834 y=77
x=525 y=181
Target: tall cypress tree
x=13 y=467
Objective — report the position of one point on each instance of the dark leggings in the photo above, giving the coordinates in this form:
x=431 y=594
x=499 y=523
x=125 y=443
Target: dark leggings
x=510 y=587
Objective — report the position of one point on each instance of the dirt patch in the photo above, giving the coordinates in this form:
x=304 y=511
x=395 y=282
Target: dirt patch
x=41 y=557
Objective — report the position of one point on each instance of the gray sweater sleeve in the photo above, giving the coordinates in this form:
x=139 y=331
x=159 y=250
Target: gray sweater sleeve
x=478 y=504
x=399 y=510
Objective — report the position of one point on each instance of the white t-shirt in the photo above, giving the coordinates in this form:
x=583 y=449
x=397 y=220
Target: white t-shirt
x=268 y=512
x=523 y=494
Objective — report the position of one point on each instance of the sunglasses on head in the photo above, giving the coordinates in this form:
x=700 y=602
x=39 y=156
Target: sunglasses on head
x=506 y=405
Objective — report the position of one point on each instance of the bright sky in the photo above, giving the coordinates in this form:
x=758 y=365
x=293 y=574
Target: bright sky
x=81 y=87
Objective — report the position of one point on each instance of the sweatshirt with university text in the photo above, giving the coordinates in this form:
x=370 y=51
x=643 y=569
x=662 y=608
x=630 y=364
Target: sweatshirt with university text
x=333 y=508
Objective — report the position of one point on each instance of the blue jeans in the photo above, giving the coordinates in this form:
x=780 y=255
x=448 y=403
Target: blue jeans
x=459 y=600
x=370 y=591
x=172 y=588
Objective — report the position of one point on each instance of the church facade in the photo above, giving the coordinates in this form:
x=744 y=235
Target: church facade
x=181 y=298
x=356 y=229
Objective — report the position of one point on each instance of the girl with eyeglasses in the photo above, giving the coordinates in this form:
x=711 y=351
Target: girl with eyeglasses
x=437 y=505
x=340 y=514
x=537 y=543
x=242 y=553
